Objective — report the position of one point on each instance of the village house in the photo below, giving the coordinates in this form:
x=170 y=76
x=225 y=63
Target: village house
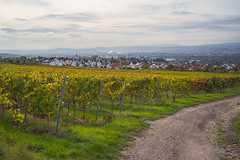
x=56 y=62
x=99 y=64
x=135 y=66
x=108 y=65
x=75 y=63
x=163 y=65
x=153 y=66
x=67 y=62
x=46 y=62
x=117 y=66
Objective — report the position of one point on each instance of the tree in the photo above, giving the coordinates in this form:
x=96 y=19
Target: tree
x=171 y=67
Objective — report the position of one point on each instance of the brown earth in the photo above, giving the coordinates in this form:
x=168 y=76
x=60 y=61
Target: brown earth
x=202 y=132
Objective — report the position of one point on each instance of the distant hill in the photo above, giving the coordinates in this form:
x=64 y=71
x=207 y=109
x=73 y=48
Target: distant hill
x=5 y=55
x=229 y=48
x=224 y=48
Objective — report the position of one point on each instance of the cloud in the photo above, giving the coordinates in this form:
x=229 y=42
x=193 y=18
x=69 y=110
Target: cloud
x=182 y=13
x=70 y=30
x=30 y=30
x=27 y=2
x=82 y=17
x=221 y=24
x=148 y=7
x=22 y=19
x=87 y=17
x=132 y=26
x=179 y=5
x=111 y=21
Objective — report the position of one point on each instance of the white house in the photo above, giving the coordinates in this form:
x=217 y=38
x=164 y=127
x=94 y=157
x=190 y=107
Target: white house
x=46 y=62
x=75 y=63
x=134 y=66
x=138 y=65
x=163 y=65
x=67 y=62
x=131 y=65
x=153 y=66
x=99 y=64
x=81 y=64
x=109 y=66
x=56 y=62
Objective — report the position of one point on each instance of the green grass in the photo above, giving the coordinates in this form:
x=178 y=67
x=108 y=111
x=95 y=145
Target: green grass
x=93 y=140
x=219 y=123
x=225 y=158
x=220 y=141
x=237 y=126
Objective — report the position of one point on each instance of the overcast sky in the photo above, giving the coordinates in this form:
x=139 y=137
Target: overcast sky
x=45 y=24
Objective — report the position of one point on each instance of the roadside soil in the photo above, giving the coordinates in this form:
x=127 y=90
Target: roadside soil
x=202 y=132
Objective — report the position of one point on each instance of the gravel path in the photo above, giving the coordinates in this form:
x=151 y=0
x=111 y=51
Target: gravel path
x=190 y=134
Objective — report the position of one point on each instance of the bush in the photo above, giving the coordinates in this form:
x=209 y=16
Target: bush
x=237 y=126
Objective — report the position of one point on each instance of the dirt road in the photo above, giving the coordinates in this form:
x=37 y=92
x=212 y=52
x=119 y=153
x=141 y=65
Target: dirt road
x=190 y=134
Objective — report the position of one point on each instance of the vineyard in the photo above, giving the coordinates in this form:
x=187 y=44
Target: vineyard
x=76 y=96
x=37 y=90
